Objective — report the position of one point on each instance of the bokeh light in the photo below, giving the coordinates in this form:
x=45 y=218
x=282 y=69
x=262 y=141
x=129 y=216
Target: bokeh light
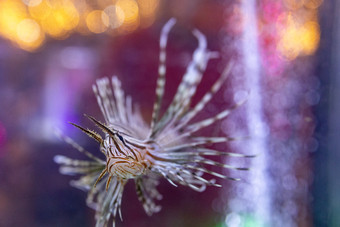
x=288 y=29
x=32 y=2
x=40 y=11
x=299 y=28
x=148 y=9
x=97 y=21
x=294 y=4
x=76 y=41
x=11 y=14
x=60 y=18
x=131 y=14
x=29 y=34
x=298 y=39
x=115 y=15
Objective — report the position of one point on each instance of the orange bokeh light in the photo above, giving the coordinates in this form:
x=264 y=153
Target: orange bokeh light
x=130 y=11
x=97 y=21
x=60 y=18
x=29 y=34
x=298 y=39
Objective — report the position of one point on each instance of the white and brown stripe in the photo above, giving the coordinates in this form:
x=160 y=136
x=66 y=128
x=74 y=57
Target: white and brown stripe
x=167 y=147
x=124 y=160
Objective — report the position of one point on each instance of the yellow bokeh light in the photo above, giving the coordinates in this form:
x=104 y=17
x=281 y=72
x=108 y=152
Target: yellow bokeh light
x=131 y=14
x=82 y=26
x=294 y=4
x=53 y=25
x=26 y=22
x=83 y=10
x=289 y=44
x=11 y=13
x=148 y=7
x=62 y=18
x=130 y=9
x=65 y=14
x=97 y=21
x=313 y=4
x=28 y=30
x=29 y=34
x=310 y=38
x=299 y=39
x=32 y=2
x=40 y=11
x=116 y=16
x=104 y=3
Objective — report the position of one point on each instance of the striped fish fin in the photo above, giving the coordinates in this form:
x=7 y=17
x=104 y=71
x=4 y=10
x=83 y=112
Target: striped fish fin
x=188 y=130
x=120 y=99
x=108 y=203
x=207 y=97
x=187 y=87
x=193 y=157
x=206 y=161
x=147 y=194
x=70 y=166
x=179 y=166
x=89 y=132
x=213 y=173
x=130 y=113
x=75 y=145
x=161 y=71
x=199 y=106
x=198 y=141
x=209 y=121
x=117 y=109
x=201 y=151
x=106 y=102
x=111 y=101
x=178 y=173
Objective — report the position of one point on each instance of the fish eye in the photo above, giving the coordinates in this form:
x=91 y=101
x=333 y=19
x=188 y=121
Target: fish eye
x=120 y=138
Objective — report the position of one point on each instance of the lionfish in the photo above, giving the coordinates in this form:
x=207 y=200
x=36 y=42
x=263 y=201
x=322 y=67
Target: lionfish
x=137 y=151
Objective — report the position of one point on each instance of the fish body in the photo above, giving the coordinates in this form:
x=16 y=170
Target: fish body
x=134 y=150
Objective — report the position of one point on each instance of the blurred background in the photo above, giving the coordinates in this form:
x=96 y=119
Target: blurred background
x=286 y=55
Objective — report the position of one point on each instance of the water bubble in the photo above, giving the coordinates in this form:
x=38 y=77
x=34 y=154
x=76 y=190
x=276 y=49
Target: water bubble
x=240 y=96
x=312 y=98
x=233 y=220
